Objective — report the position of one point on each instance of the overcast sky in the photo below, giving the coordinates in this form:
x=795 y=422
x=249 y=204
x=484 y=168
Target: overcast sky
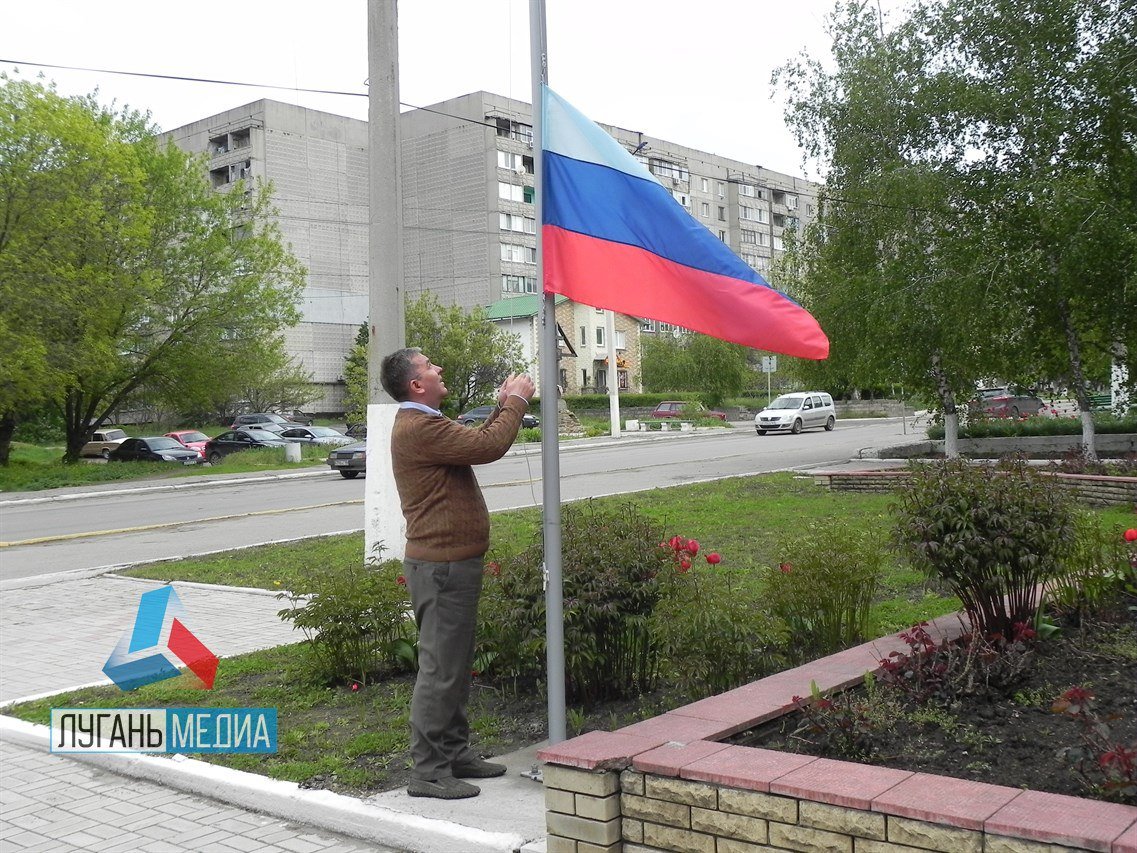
x=695 y=73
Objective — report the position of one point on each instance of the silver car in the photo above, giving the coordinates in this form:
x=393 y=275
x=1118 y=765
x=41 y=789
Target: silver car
x=797 y=411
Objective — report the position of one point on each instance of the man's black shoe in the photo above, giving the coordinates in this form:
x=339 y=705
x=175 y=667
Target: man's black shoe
x=442 y=789
x=477 y=769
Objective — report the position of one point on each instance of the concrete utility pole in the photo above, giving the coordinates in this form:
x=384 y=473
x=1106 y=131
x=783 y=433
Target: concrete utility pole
x=383 y=519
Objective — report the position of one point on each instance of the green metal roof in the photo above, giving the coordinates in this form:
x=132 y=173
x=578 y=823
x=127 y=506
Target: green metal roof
x=518 y=306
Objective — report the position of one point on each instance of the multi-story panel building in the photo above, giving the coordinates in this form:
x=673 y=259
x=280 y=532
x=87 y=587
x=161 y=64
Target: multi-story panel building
x=468 y=216
x=317 y=163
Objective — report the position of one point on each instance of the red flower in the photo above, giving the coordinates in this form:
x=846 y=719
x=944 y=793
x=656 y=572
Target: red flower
x=786 y=568
x=684 y=564
x=494 y=568
x=1131 y=534
x=401 y=580
x=354 y=686
x=693 y=546
x=713 y=558
x=676 y=543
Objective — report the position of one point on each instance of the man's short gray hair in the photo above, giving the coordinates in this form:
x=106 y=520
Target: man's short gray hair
x=396 y=372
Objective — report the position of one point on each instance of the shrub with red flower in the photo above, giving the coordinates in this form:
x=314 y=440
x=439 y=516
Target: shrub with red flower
x=1103 y=761
x=683 y=550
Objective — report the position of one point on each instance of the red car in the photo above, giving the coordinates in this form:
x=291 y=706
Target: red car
x=682 y=409
x=191 y=438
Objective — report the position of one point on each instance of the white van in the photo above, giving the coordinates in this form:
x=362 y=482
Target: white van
x=797 y=411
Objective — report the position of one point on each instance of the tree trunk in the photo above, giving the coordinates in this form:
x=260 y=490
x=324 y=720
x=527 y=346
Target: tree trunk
x=1119 y=380
x=7 y=428
x=1078 y=377
x=947 y=403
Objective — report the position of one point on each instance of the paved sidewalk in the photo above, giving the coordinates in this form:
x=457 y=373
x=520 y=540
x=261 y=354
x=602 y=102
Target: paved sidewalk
x=55 y=804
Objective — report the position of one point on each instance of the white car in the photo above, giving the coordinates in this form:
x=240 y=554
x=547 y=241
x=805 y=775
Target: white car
x=103 y=442
x=797 y=411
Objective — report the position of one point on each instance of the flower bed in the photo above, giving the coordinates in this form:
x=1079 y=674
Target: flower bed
x=668 y=784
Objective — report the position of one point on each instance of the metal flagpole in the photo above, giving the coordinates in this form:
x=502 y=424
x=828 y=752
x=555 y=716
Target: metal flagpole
x=550 y=445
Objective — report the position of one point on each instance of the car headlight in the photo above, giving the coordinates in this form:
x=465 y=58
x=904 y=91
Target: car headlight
x=167 y=457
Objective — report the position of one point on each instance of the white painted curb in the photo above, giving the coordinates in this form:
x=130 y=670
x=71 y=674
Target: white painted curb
x=286 y=800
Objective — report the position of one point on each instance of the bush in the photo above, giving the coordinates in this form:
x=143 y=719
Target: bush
x=353 y=618
x=1092 y=570
x=824 y=589
x=711 y=629
x=1038 y=425
x=992 y=534
x=610 y=562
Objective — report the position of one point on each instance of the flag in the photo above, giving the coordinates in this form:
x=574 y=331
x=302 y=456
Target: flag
x=613 y=237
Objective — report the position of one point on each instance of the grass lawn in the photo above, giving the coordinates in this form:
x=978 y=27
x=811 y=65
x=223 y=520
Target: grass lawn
x=37 y=467
x=355 y=740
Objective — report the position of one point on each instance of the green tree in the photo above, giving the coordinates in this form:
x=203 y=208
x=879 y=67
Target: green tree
x=475 y=355
x=712 y=368
x=355 y=396
x=122 y=267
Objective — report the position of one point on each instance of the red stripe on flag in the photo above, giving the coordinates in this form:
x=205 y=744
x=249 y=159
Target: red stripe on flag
x=189 y=649
x=634 y=281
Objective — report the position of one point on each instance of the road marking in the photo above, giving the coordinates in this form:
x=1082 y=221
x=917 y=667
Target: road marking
x=62 y=537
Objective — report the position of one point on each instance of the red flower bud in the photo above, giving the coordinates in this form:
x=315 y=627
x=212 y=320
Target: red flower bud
x=401 y=580
x=713 y=558
x=354 y=686
x=786 y=568
x=684 y=564
x=1131 y=534
x=693 y=546
x=494 y=568
x=676 y=542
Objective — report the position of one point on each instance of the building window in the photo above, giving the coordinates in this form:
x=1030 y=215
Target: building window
x=584 y=336
x=601 y=379
x=513 y=253
x=705 y=209
x=510 y=192
x=754 y=214
x=704 y=185
x=681 y=197
x=517 y=222
x=664 y=169
x=621 y=339
x=778 y=243
x=518 y=284
x=513 y=129
x=622 y=379
x=599 y=336
x=722 y=213
x=722 y=235
x=720 y=188
x=746 y=190
x=647 y=326
x=791 y=202
x=527 y=194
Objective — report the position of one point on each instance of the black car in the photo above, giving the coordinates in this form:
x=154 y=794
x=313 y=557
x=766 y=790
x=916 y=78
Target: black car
x=157 y=448
x=240 y=439
x=479 y=414
x=350 y=461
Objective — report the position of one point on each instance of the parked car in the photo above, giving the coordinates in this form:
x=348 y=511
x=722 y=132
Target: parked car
x=684 y=409
x=234 y=440
x=356 y=431
x=315 y=435
x=1005 y=402
x=302 y=418
x=190 y=438
x=103 y=442
x=479 y=414
x=258 y=418
x=350 y=461
x=156 y=448
x=797 y=411
x=270 y=426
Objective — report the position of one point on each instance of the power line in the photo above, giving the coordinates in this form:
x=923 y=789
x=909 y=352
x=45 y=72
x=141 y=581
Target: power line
x=215 y=82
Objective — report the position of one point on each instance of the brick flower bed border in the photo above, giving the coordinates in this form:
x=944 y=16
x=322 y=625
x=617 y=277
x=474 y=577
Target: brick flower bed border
x=1093 y=489
x=667 y=784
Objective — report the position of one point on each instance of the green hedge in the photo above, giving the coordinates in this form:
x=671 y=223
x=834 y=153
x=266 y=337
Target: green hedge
x=1006 y=427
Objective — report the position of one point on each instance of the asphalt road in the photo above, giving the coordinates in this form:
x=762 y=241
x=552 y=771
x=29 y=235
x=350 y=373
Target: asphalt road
x=65 y=530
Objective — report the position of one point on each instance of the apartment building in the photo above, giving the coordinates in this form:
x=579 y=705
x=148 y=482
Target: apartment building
x=468 y=217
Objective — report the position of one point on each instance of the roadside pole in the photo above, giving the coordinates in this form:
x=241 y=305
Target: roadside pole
x=383 y=521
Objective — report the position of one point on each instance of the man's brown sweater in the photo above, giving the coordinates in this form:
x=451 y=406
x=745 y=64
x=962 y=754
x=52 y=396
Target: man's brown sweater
x=447 y=519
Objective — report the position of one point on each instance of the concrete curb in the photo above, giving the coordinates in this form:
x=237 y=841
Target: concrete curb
x=286 y=800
